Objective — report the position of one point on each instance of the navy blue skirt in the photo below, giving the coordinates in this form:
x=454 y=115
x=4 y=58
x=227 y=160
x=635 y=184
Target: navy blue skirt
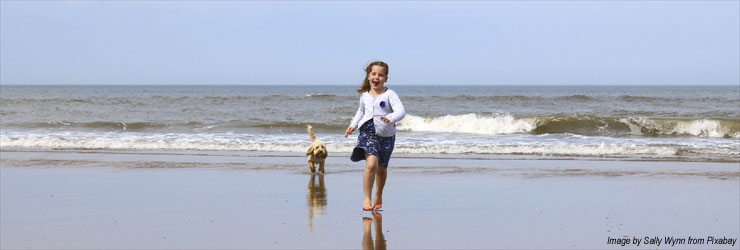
x=369 y=142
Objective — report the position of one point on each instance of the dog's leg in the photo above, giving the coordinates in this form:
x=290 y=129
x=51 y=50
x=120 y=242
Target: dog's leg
x=310 y=166
x=321 y=166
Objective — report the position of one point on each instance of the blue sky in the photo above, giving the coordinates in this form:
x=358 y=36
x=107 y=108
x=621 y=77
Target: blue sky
x=330 y=42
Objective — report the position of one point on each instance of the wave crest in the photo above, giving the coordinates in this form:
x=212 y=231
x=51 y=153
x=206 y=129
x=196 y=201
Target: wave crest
x=693 y=127
x=582 y=125
x=468 y=123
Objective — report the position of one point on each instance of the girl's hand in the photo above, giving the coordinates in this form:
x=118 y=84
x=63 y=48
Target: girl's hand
x=349 y=131
x=386 y=120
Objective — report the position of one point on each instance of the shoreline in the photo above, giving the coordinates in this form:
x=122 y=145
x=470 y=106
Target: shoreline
x=340 y=155
x=530 y=167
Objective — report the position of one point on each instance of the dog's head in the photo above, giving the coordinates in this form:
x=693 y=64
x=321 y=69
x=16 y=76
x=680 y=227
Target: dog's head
x=318 y=149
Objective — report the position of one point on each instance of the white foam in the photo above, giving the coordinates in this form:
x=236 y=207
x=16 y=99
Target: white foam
x=594 y=150
x=170 y=141
x=703 y=127
x=142 y=143
x=696 y=127
x=554 y=145
x=634 y=128
x=468 y=123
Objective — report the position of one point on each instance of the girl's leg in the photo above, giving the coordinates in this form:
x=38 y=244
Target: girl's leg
x=380 y=175
x=371 y=166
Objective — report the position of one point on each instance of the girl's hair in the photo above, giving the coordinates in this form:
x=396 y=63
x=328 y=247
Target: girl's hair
x=366 y=83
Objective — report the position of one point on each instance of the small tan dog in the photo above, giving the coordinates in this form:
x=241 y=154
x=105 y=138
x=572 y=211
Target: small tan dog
x=316 y=152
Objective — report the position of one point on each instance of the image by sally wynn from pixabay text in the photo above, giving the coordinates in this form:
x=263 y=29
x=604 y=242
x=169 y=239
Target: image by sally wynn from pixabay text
x=672 y=241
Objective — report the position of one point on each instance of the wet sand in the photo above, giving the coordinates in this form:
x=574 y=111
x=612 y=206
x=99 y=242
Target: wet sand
x=94 y=199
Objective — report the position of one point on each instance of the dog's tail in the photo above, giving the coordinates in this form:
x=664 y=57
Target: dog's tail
x=310 y=132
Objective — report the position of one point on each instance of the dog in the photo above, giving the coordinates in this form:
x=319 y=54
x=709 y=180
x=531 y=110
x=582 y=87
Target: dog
x=316 y=153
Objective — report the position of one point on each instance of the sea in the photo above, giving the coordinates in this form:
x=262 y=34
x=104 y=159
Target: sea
x=650 y=123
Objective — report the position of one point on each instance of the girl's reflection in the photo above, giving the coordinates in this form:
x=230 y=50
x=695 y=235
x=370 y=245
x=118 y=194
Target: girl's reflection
x=367 y=237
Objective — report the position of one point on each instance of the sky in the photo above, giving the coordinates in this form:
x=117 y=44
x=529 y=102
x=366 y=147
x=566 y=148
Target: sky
x=331 y=42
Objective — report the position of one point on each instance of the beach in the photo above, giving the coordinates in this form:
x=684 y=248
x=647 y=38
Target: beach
x=508 y=124
x=199 y=199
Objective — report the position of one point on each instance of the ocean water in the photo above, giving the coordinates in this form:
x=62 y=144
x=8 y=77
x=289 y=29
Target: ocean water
x=692 y=123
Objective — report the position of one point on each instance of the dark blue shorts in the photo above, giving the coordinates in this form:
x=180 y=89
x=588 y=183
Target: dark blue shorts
x=369 y=142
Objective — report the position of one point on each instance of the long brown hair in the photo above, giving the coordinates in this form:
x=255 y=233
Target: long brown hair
x=366 y=83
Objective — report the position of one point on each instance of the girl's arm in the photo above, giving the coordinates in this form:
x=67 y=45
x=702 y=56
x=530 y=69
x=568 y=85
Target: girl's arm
x=358 y=115
x=398 y=110
x=356 y=119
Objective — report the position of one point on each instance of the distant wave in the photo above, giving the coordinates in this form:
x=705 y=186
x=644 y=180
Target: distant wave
x=320 y=95
x=495 y=98
x=578 y=98
x=301 y=126
x=583 y=125
x=158 y=99
x=132 y=126
x=107 y=125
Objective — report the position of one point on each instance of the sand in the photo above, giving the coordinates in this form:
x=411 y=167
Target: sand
x=137 y=199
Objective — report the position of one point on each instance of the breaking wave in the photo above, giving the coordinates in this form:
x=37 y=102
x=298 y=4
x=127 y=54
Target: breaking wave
x=495 y=124
x=469 y=123
x=583 y=125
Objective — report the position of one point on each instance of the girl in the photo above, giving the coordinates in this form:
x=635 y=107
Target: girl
x=380 y=109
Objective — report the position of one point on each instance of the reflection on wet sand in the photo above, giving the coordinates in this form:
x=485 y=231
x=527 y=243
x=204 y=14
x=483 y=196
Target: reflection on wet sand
x=316 y=198
x=367 y=237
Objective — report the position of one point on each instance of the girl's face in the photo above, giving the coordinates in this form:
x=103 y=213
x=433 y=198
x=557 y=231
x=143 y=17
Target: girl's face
x=377 y=77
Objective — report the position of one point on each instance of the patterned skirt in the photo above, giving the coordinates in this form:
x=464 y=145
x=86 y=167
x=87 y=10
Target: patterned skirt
x=369 y=142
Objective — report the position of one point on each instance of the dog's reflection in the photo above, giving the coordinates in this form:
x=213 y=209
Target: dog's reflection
x=316 y=198
x=367 y=237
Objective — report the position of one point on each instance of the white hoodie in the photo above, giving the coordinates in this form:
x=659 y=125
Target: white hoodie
x=387 y=104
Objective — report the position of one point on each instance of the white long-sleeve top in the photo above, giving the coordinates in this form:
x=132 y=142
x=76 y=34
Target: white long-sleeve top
x=387 y=104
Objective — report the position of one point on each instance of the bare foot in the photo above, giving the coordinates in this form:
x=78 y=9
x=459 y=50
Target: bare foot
x=366 y=205
x=378 y=203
